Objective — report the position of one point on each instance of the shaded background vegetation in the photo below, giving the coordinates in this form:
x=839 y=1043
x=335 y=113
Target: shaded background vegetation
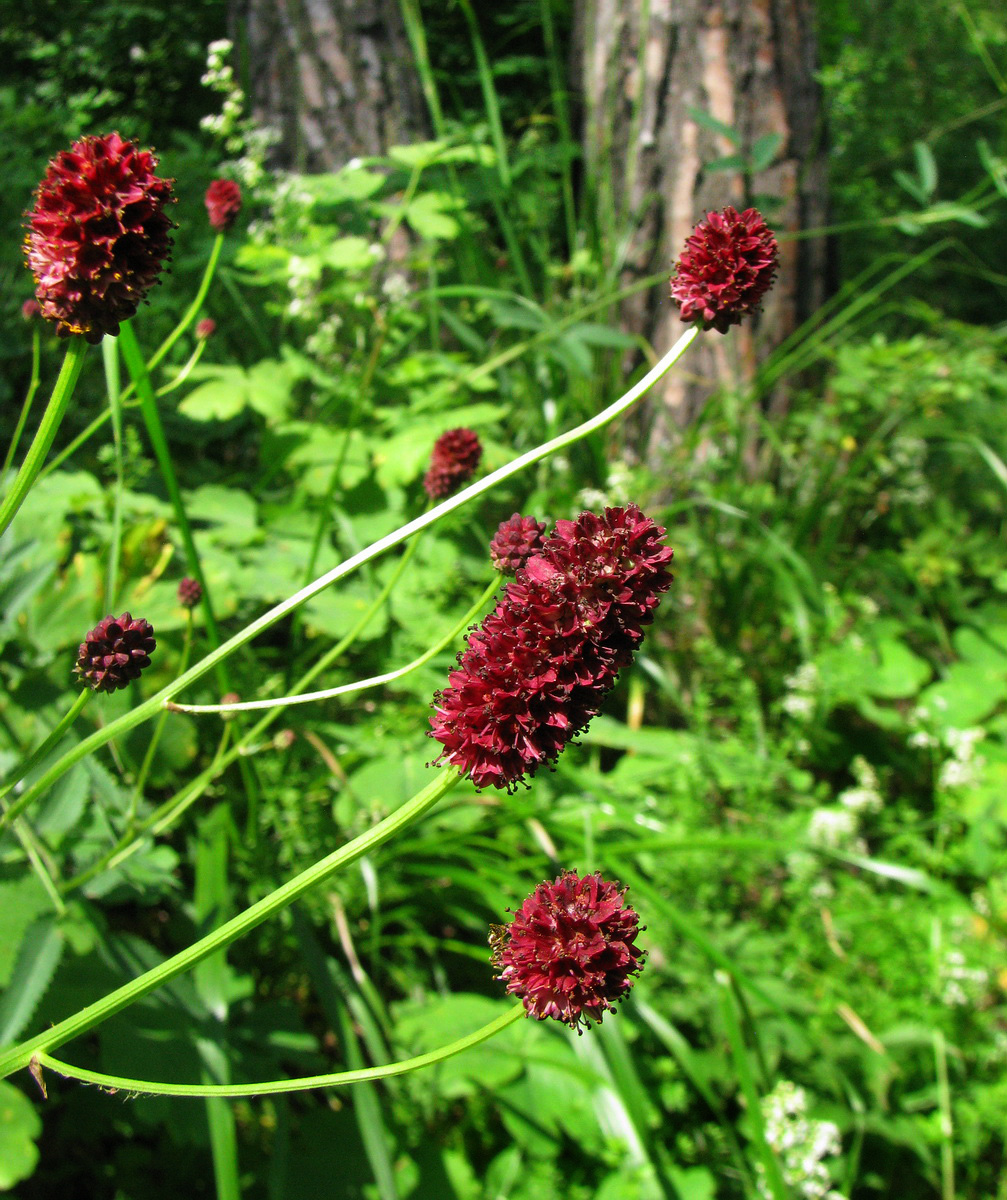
x=801 y=780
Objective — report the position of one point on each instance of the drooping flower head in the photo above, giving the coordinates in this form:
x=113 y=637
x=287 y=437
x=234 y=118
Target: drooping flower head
x=514 y=542
x=570 y=952
x=223 y=203
x=728 y=264
x=538 y=668
x=190 y=592
x=453 y=462
x=98 y=235
x=115 y=652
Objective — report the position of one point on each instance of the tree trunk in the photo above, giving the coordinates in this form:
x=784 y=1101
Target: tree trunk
x=646 y=68
x=335 y=77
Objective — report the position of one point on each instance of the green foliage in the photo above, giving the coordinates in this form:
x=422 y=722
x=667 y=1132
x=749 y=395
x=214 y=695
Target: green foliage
x=801 y=780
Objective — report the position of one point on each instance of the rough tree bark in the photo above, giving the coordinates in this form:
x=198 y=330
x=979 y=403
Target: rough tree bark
x=643 y=65
x=336 y=78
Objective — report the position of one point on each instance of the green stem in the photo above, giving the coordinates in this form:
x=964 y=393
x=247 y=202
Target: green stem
x=155 y=430
x=52 y=740
x=51 y=418
x=20 y=1056
x=148 y=757
x=165 y=815
x=142 y=1087
x=149 y=707
x=746 y=1079
x=344 y=689
x=110 y=358
x=192 y=312
x=29 y=844
x=33 y=383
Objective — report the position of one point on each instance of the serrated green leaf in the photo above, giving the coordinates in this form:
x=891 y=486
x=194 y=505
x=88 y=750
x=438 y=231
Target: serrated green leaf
x=36 y=963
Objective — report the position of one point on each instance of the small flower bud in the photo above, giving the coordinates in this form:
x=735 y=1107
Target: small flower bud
x=223 y=203
x=514 y=542
x=456 y=455
x=190 y=592
x=31 y=309
x=115 y=652
x=206 y=328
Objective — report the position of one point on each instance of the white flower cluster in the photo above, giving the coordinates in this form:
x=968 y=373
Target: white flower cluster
x=964 y=767
x=959 y=984
x=835 y=829
x=802 y=689
x=865 y=797
x=616 y=492
x=248 y=142
x=801 y=1144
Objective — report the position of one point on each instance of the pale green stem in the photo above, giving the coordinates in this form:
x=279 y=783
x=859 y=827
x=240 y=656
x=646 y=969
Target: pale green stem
x=33 y=383
x=142 y=1087
x=51 y=419
x=148 y=758
x=110 y=358
x=52 y=740
x=946 y=1119
x=166 y=814
x=344 y=689
x=73 y=1026
x=149 y=707
x=33 y=851
x=746 y=1079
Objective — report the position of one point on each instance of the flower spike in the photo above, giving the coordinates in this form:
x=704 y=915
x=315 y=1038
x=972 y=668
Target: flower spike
x=570 y=952
x=537 y=669
x=728 y=264
x=98 y=235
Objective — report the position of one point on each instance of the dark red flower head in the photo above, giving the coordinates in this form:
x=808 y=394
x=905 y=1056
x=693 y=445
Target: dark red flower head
x=570 y=952
x=537 y=669
x=728 y=265
x=190 y=592
x=514 y=542
x=454 y=460
x=206 y=328
x=223 y=203
x=114 y=652
x=98 y=235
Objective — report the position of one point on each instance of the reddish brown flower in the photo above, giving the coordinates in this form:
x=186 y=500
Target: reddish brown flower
x=570 y=952
x=115 y=652
x=454 y=460
x=537 y=669
x=98 y=235
x=728 y=265
x=514 y=542
x=190 y=592
x=206 y=328
x=223 y=203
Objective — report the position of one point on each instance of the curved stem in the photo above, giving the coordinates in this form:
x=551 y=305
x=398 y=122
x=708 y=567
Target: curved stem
x=87 y=1018
x=142 y=1087
x=344 y=689
x=165 y=814
x=33 y=383
x=50 y=423
x=52 y=740
x=148 y=758
x=149 y=707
